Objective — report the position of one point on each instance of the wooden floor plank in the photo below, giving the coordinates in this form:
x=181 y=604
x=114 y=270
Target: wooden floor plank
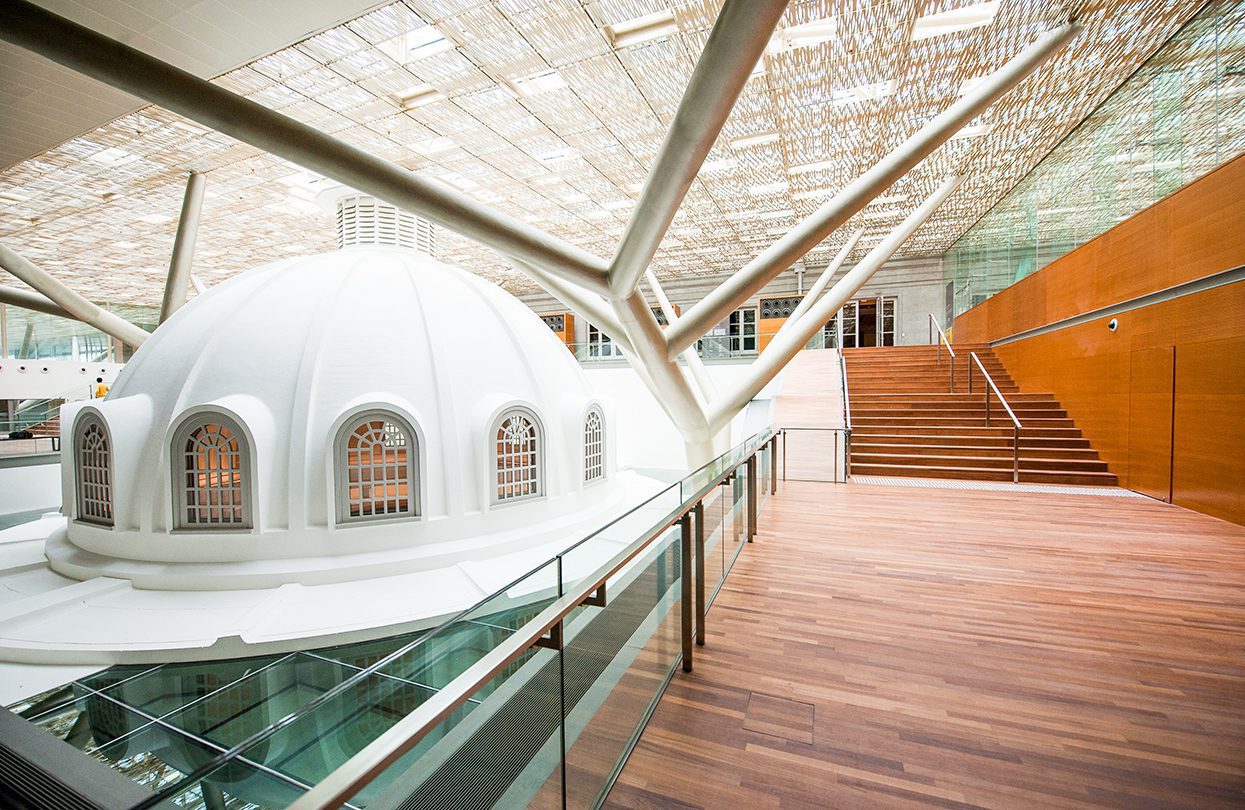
x=964 y=649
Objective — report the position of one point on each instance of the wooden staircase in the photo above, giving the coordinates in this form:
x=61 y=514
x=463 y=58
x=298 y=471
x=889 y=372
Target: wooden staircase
x=907 y=422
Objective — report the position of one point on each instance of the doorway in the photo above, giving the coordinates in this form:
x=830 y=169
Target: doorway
x=867 y=322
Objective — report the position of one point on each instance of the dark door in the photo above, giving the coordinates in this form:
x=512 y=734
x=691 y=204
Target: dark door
x=868 y=322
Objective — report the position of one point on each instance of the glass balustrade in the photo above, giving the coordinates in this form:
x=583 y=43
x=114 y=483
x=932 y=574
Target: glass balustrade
x=544 y=722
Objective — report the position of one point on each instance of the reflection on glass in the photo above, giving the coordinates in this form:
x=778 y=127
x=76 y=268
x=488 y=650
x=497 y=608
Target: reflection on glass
x=1179 y=116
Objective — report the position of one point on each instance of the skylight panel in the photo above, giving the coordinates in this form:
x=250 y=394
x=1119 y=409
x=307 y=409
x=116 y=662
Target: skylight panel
x=954 y=20
x=417 y=96
x=433 y=146
x=768 y=188
x=112 y=156
x=417 y=44
x=641 y=29
x=974 y=131
x=968 y=84
x=863 y=92
x=543 y=82
x=557 y=155
x=804 y=35
x=818 y=166
x=754 y=140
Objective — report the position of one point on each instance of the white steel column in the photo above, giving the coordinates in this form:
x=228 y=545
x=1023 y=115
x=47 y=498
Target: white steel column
x=690 y=357
x=178 y=282
x=787 y=344
x=118 y=65
x=736 y=43
x=822 y=281
x=860 y=192
x=77 y=306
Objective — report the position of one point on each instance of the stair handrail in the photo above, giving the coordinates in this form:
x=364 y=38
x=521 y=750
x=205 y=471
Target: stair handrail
x=1015 y=422
x=942 y=340
x=847 y=418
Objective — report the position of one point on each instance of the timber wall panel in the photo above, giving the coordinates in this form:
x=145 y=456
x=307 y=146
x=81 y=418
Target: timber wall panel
x=1118 y=386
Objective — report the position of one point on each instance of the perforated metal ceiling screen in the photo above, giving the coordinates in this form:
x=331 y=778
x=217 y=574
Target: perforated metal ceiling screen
x=363 y=220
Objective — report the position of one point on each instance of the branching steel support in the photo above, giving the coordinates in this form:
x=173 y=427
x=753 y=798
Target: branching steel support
x=806 y=235
x=690 y=358
x=582 y=302
x=735 y=44
x=666 y=379
x=68 y=300
x=823 y=281
x=572 y=274
x=178 y=282
x=118 y=65
x=787 y=344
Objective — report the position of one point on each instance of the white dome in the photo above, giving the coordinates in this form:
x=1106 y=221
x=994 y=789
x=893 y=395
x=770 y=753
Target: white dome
x=292 y=353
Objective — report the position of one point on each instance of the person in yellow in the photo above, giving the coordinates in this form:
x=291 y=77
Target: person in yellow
x=101 y=390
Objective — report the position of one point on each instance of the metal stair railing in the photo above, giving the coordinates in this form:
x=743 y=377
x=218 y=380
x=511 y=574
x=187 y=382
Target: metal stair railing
x=942 y=340
x=990 y=386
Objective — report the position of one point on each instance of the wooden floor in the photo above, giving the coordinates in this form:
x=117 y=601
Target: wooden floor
x=900 y=647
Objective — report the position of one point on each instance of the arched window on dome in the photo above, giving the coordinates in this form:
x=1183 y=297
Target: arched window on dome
x=518 y=451
x=93 y=457
x=212 y=481
x=594 y=446
x=377 y=469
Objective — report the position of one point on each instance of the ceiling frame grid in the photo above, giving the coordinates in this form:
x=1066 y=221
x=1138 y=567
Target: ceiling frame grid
x=568 y=152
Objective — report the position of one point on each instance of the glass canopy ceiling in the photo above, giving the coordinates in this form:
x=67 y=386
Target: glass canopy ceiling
x=553 y=112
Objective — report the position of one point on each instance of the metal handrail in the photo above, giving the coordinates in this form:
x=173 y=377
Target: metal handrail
x=847 y=419
x=353 y=775
x=1015 y=422
x=942 y=340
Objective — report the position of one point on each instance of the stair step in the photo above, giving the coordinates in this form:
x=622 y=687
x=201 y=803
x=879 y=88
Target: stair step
x=978 y=474
x=1002 y=451
x=935 y=440
x=1023 y=413
x=916 y=420
x=976 y=461
x=909 y=419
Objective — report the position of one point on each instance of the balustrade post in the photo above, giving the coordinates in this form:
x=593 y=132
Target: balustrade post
x=685 y=587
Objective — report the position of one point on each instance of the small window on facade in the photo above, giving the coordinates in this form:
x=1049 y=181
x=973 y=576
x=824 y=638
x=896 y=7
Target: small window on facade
x=93 y=455
x=377 y=471
x=518 y=453
x=213 y=487
x=594 y=446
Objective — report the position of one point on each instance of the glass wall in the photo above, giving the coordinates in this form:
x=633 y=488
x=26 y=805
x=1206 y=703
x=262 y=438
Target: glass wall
x=1179 y=116
x=29 y=335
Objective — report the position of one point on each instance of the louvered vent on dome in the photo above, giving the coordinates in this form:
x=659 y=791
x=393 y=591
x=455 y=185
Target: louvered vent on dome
x=364 y=220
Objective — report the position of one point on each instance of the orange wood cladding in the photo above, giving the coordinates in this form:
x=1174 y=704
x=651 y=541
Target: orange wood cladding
x=766 y=329
x=1162 y=398
x=567 y=335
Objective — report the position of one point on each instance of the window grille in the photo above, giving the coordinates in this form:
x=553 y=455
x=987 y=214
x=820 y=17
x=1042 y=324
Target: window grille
x=518 y=457
x=377 y=468
x=213 y=491
x=594 y=446
x=94 y=472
